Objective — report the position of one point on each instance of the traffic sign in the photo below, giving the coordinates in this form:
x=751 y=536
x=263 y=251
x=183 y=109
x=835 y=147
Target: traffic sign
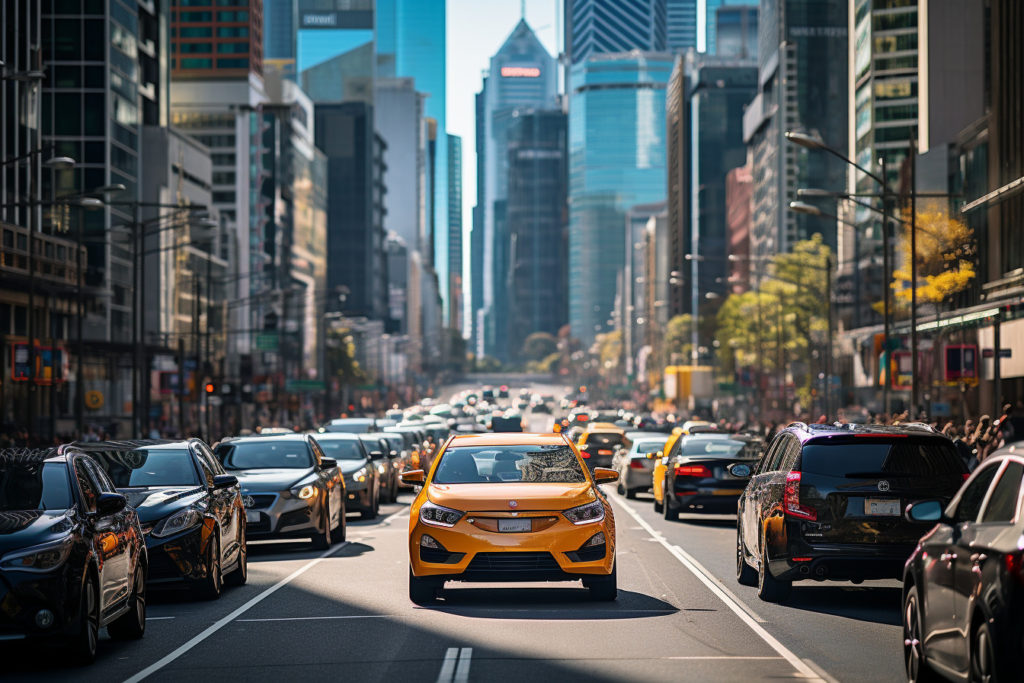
x=1003 y=353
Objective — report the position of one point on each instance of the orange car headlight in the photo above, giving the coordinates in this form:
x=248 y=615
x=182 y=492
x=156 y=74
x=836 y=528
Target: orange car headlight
x=585 y=514
x=436 y=515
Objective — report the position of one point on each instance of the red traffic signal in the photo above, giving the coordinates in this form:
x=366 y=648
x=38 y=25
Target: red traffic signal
x=209 y=387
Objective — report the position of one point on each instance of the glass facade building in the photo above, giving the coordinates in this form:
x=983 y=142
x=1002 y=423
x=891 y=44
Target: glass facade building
x=681 y=19
x=608 y=26
x=216 y=38
x=707 y=22
x=617 y=152
x=456 y=318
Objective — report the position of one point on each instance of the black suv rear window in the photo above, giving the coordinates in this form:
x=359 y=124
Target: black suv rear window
x=862 y=457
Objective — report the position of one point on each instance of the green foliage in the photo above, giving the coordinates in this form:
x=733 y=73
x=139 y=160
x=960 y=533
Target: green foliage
x=538 y=346
x=341 y=357
x=678 y=334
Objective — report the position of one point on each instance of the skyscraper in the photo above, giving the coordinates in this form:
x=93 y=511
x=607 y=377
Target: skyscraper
x=707 y=22
x=616 y=160
x=455 y=274
x=216 y=38
x=279 y=33
x=522 y=74
x=604 y=26
x=682 y=24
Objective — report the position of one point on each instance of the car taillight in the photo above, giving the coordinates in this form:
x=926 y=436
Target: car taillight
x=1014 y=563
x=693 y=471
x=791 y=499
x=604 y=451
x=967 y=475
x=636 y=465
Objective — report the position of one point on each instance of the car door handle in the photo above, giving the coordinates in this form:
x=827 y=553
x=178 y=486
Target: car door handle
x=979 y=557
x=947 y=557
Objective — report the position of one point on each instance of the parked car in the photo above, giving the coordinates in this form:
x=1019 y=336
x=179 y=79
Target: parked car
x=695 y=476
x=634 y=466
x=826 y=502
x=72 y=555
x=963 y=588
x=511 y=507
x=362 y=479
x=190 y=510
x=290 y=488
x=389 y=466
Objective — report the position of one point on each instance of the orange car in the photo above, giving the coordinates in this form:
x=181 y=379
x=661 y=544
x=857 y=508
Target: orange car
x=510 y=507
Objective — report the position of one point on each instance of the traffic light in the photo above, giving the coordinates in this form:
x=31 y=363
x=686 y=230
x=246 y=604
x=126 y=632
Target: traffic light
x=210 y=388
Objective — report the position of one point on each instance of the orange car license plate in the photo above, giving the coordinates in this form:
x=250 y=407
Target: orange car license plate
x=513 y=525
x=727 y=492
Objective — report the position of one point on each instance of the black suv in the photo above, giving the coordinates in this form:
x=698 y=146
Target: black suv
x=827 y=502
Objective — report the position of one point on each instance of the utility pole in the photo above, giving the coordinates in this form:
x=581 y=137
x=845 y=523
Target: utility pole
x=915 y=390
x=886 y=277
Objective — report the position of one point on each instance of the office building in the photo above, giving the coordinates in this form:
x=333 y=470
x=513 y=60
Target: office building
x=522 y=74
x=707 y=21
x=456 y=278
x=802 y=66
x=739 y=219
x=216 y=38
x=334 y=50
x=594 y=27
x=616 y=160
x=736 y=31
x=476 y=238
x=633 y=289
x=280 y=19
x=681 y=24
x=401 y=124
x=538 y=220
x=706 y=101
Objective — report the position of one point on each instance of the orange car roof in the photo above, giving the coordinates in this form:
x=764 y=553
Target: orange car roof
x=604 y=427
x=508 y=439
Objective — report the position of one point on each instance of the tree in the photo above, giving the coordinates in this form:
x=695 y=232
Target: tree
x=678 y=334
x=945 y=258
x=539 y=346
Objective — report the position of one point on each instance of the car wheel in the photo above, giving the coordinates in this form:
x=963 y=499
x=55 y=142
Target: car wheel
x=423 y=589
x=619 y=488
x=323 y=541
x=132 y=625
x=745 y=574
x=240 y=574
x=342 y=525
x=671 y=513
x=769 y=588
x=210 y=588
x=84 y=642
x=603 y=588
x=918 y=670
x=659 y=507
x=371 y=513
x=631 y=494
x=983 y=656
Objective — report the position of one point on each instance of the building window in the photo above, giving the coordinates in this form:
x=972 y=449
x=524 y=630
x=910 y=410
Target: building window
x=232 y=31
x=194 y=48
x=193 y=63
x=233 y=48
x=232 y=63
x=242 y=16
x=195 y=16
x=196 y=32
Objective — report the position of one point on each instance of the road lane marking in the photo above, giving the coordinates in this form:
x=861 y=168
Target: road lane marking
x=448 y=666
x=716 y=657
x=462 y=670
x=702 y=574
x=224 y=621
x=157 y=618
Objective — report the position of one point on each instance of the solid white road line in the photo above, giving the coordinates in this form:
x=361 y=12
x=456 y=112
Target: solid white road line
x=157 y=618
x=462 y=670
x=224 y=621
x=344 y=616
x=448 y=666
x=717 y=657
x=698 y=570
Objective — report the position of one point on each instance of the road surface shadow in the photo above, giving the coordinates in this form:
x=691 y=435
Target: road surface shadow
x=717 y=521
x=548 y=604
x=877 y=604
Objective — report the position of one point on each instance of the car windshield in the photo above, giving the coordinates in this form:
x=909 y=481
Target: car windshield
x=553 y=463
x=342 y=449
x=605 y=439
x=893 y=457
x=649 y=446
x=149 y=467
x=262 y=455
x=721 y=447
x=34 y=485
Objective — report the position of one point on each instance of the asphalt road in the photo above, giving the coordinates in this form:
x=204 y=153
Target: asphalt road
x=345 y=613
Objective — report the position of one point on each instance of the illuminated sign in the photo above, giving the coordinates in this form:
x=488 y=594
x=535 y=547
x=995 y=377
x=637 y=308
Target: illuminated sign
x=520 y=72
x=324 y=19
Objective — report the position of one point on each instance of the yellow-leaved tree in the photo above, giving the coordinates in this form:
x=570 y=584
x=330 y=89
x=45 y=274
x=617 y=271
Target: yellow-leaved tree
x=945 y=258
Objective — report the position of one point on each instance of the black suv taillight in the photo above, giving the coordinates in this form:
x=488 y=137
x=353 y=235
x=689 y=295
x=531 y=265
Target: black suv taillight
x=791 y=500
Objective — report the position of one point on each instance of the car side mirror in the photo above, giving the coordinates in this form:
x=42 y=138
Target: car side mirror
x=327 y=463
x=414 y=477
x=739 y=470
x=110 y=504
x=655 y=455
x=603 y=475
x=394 y=454
x=924 y=511
x=376 y=455
x=224 y=481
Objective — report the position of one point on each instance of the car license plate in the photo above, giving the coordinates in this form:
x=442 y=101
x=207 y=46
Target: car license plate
x=513 y=525
x=727 y=492
x=882 y=506
x=252 y=517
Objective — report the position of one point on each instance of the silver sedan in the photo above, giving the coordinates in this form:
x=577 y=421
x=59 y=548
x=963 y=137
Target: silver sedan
x=635 y=467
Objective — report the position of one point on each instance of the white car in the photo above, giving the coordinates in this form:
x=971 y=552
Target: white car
x=634 y=467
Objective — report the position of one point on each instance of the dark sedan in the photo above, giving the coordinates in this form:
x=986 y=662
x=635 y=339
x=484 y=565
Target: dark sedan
x=72 y=556
x=190 y=509
x=290 y=488
x=697 y=476
x=362 y=480
x=389 y=464
x=964 y=585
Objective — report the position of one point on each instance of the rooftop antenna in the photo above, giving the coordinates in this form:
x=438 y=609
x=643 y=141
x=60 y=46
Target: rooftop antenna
x=522 y=9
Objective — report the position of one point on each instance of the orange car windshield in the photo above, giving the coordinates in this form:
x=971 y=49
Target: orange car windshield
x=509 y=463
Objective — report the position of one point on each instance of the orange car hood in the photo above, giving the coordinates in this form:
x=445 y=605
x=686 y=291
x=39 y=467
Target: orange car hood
x=496 y=496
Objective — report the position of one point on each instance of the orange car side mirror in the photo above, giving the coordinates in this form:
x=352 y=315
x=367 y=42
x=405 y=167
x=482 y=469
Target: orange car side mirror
x=603 y=475
x=414 y=477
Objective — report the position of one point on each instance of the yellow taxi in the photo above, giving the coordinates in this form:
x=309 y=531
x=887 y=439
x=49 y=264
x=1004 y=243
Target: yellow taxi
x=661 y=464
x=598 y=442
x=510 y=507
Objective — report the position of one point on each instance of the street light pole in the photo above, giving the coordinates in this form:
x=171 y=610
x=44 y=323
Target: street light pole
x=914 y=383
x=886 y=279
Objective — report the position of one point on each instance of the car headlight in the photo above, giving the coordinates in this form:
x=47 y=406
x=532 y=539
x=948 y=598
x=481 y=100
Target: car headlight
x=382 y=468
x=437 y=515
x=585 y=514
x=359 y=475
x=304 y=492
x=178 y=522
x=40 y=558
